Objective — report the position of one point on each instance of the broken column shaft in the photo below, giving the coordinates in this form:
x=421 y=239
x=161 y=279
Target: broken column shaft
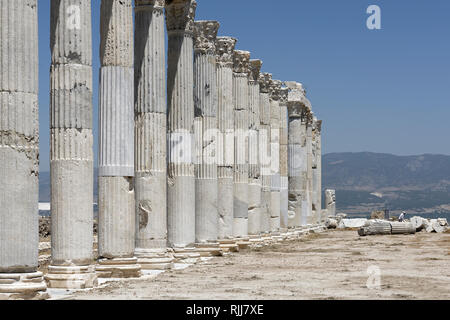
x=225 y=118
x=19 y=152
x=180 y=16
x=71 y=141
x=298 y=109
x=116 y=226
x=241 y=62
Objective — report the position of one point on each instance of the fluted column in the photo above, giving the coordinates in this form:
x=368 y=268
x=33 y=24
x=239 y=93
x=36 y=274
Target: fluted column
x=116 y=234
x=241 y=60
x=150 y=147
x=309 y=174
x=205 y=104
x=180 y=16
x=330 y=202
x=225 y=118
x=254 y=170
x=265 y=150
x=298 y=110
x=71 y=145
x=19 y=152
x=316 y=172
x=284 y=158
x=275 y=200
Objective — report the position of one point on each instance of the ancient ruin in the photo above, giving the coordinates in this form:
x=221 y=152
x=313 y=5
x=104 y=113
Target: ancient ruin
x=230 y=159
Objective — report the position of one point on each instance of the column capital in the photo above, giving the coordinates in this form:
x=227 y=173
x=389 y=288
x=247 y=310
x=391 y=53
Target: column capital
x=318 y=126
x=205 y=33
x=275 y=89
x=241 y=61
x=264 y=82
x=298 y=104
x=284 y=93
x=180 y=15
x=255 y=68
x=225 y=51
x=149 y=4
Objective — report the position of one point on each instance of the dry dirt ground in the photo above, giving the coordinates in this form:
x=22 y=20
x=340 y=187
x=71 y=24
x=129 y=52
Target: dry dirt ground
x=331 y=265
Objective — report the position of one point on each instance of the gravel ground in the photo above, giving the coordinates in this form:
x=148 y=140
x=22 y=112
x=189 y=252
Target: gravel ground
x=331 y=265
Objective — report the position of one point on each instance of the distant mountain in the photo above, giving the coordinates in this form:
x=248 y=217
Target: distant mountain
x=368 y=181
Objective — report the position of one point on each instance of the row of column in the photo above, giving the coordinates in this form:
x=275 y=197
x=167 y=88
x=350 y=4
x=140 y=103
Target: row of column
x=229 y=153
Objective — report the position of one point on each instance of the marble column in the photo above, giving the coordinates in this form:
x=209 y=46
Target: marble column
x=116 y=226
x=19 y=152
x=205 y=128
x=150 y=114
x=180 y=16
x=241 y=61
x=71 y=145
x=330 y=202
x=317 y=174
x=254 y=169
x=275 y=200
x=309 y=174
x=319 y=170
x=298 y=110
x=284 y=159
x=264 y=150
x=225 y=117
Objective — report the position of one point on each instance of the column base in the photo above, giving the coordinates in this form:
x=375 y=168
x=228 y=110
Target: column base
x=118 y=268
x=154 y=259
x=186 y=255
x=209 y=249
x=71 y=277
x=256 y=240
x=228 y=245
x=23 y=286
x=243 y=242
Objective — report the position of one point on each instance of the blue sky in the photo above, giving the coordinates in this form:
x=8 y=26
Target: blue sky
x=376 y=90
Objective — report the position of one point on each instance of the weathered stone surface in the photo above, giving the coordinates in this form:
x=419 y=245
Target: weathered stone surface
x=403 y=228
x=205 y=131
x=284 y=181
x=298 y=113
x=418 y=222
x=225 y=144
x=71 y=161
x=23 y=286
x=117 y=226
x=19 y=137
x=180 y=16
x=118 y=268
x=71 y=277
x=241 y=61
x=351 y=223
x=255 y=182
x=317 y=169
x=275 y=197
x=265 y=150
x=330 y=201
